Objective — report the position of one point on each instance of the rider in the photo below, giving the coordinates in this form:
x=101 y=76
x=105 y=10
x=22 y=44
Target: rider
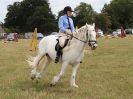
x=66 y=28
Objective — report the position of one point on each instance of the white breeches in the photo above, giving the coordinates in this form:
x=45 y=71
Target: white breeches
x=62 y=37
x=62 y=40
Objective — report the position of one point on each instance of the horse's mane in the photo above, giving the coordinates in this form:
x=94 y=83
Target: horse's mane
x=81 y=31
x=82 y=28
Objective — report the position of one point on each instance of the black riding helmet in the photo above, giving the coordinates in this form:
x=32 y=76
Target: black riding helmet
x=67 y=8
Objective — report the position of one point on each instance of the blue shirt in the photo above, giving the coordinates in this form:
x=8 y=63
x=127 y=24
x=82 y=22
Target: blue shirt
x=63 y=24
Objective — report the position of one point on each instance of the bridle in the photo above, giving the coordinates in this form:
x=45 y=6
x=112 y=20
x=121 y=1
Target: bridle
x=86 y=41
x=92 y=42
x=78 y=38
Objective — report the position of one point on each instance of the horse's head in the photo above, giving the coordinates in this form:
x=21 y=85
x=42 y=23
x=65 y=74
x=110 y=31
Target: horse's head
x=91 y=36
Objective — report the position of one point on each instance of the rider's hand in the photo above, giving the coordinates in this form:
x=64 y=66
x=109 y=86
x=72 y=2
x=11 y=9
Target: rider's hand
x=68 y=32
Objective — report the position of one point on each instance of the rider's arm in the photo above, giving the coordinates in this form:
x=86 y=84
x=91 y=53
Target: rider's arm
x=60 y=24
x=72 y=26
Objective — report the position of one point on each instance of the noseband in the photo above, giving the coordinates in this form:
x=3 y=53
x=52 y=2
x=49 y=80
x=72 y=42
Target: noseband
x=92 y=41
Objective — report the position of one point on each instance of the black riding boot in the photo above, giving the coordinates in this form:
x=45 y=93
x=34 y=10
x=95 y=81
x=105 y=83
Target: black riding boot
x=59 y=50
x=58 y=54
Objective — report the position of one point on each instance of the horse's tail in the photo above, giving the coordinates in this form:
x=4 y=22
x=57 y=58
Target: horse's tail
x=31 y=61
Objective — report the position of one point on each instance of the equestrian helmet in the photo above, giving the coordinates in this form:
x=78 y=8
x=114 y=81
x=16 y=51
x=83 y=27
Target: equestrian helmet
x=67 y=8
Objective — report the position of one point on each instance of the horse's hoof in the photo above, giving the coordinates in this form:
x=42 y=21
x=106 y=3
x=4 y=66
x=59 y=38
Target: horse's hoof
x=76 y=86
x=52 y=85
x=38 y=76
x=32 y=77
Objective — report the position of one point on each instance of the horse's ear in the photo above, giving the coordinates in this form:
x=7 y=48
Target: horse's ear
x=94 y=24
x=86 y=24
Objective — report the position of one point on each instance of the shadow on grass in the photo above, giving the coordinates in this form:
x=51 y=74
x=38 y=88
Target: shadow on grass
x=43 y=86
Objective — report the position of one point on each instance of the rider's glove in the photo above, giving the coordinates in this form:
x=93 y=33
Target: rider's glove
x=68 y=32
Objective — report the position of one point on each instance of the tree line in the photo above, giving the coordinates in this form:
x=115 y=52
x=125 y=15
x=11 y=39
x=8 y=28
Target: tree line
x=26 y=15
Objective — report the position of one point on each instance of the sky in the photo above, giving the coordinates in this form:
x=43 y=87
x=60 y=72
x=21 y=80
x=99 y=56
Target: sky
x=56 y=5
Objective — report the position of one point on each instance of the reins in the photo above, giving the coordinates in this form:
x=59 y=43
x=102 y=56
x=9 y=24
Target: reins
x=78 y=38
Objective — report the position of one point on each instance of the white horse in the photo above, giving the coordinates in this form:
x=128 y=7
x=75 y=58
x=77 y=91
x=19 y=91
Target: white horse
x=72 y=54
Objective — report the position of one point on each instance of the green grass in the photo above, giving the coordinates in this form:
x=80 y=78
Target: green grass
x=106 y=73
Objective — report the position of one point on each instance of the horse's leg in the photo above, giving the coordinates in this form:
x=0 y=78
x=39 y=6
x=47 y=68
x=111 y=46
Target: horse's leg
x=36 y=62
x=57 y=77
x=47 y=61
x=73 y=76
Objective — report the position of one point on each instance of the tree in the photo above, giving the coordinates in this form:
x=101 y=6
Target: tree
x=12 y=17
x=84 y=14
x=28 y=14
x=1 y=24
x=60 y=13
x=103 y=22
x=43 y=20
x=120 y=12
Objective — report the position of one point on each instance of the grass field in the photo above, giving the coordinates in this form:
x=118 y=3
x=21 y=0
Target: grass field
x=106 y=73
